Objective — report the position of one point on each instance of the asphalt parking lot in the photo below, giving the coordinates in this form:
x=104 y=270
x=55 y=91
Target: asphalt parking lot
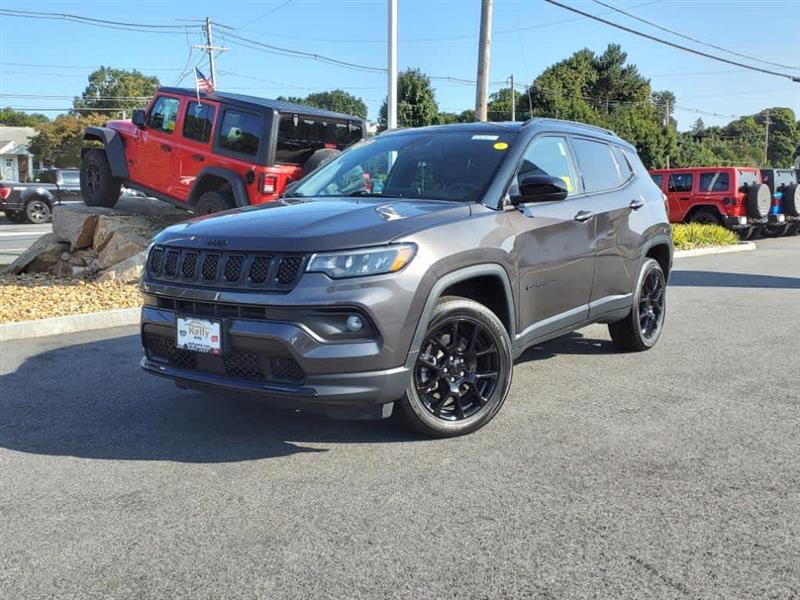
x=668 y=474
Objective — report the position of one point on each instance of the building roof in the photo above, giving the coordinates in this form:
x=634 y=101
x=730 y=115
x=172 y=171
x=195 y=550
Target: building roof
x=19 y=135
x=279 y=105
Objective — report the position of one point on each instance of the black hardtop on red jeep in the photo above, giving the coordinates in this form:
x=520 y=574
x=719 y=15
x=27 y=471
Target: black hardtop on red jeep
x=212 y=152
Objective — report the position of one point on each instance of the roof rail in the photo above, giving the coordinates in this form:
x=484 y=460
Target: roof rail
x=565 y=122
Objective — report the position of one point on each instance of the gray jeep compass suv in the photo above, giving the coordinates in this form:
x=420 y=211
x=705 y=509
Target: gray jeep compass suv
x=409 y=272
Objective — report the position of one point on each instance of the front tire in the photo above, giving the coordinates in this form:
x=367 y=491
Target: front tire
x=463 y=371
x=37 y=211
x=641 y=329
x=98 y=186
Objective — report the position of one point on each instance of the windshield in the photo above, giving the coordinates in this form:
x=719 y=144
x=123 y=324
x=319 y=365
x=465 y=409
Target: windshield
x=457 y=165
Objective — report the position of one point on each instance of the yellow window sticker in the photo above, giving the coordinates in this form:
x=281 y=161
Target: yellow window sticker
x=501 y=146
x=568 y=181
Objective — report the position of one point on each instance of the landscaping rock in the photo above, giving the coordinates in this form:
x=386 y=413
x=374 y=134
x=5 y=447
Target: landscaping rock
x=83 y=258
x=127 y=271
x=123 y=243
x=41 y=257
x=76 y=224
x=107 y=225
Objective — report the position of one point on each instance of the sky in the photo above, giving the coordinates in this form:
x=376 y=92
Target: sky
x=54 y=57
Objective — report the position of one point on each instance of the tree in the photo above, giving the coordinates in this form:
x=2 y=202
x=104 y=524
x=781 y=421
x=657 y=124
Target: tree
x=500 y=104
x=416 y=101
x=116 y=88
x=335 y=100
x=16 y=118
x=59 y=142
x=699 y=127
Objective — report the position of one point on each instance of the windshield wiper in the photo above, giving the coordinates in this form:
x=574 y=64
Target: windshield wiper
x=366 y=194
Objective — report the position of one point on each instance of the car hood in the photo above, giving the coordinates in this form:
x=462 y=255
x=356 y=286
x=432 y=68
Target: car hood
x=309 y=225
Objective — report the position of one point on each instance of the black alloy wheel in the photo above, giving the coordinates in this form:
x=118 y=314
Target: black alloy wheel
x=651 y=304
x=457 y=369
x=92 y=174
x=462 y=372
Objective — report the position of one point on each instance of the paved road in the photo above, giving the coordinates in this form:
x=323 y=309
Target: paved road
x=669 y=474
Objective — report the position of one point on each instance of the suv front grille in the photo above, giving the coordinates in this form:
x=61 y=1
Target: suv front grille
x=225 y=269
x=237 y=364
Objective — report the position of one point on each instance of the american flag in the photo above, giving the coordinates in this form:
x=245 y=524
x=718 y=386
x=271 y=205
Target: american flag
x=201 y=83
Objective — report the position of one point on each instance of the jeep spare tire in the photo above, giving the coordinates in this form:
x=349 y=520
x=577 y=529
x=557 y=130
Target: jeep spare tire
x=759 y=200
x=791 y=200
x=319 y=158
x=98 y=186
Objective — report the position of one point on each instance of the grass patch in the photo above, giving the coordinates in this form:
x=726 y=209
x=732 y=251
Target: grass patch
x=686 y=236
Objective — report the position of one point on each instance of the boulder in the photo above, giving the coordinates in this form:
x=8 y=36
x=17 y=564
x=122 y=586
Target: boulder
x=127 y=271
x=41 y=257
x=122 y=244
x=76 y=224
x=107 y=225
x=83 y=258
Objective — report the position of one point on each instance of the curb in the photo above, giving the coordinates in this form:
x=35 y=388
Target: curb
x=740 y=247
x=69 y=324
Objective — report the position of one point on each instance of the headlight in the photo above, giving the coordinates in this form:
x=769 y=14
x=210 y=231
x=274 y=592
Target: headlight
x=358 y=263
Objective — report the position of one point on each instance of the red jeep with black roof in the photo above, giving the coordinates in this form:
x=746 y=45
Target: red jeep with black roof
x=735 y=197
x=218 y=152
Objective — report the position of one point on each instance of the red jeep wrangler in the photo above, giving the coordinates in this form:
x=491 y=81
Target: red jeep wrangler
x=225 y=151
x=734 y=197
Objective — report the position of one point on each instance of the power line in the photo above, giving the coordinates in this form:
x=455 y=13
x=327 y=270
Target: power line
x=269 y=48
x=269 y=12
x=672 y=44
x=690 y=38
x=118 y=25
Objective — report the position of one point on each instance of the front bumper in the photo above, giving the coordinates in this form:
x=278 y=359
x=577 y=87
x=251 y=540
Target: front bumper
x=279 y=360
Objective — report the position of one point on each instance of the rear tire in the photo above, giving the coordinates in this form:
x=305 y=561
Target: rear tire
x=37 y=211
x=463 y=371
x=791 y=200
x=213 y=202
x=705 y=216
x=98 y=186
x=641 y=329
x=758 y=201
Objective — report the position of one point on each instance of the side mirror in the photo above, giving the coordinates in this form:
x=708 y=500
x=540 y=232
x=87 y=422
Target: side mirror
x=541 y=188
x=138 y=118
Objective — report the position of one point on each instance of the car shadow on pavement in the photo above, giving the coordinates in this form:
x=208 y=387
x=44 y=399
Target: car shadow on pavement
x=93 y=401
x=732 y=280
x=571 y=343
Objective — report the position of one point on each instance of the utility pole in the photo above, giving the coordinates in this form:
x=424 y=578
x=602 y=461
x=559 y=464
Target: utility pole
x=484 y=51
x=513 y=99
x=391 y=101
x=666 y=123
x=210 y=48
x=766 y=139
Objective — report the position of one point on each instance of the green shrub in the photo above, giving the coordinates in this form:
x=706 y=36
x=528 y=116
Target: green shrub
x=686 y=236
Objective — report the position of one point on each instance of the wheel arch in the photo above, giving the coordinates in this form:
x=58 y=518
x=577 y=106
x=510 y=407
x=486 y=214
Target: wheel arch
x=660 y=249
x=687 y=217
x=479 y=283
x=37 y=194
x=215 y=178
x=114 y=147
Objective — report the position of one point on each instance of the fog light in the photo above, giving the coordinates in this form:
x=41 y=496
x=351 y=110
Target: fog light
x=354 y=323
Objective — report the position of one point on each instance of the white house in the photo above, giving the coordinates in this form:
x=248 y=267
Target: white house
x=16 y=162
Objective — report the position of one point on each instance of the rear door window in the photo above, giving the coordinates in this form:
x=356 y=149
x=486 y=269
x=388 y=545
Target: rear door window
x=198 y=122
x=597 y=165
x=240 y=132
x=714 y=182
x=680 y=182
x=164 y=114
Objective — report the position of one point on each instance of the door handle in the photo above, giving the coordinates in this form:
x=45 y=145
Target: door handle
x=686 y=198
x=198 y=157
x=166 y=148
x=583 y=215
x=636 y=204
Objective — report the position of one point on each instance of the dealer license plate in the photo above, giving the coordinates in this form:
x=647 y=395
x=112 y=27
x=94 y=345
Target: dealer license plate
x=199 y=335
